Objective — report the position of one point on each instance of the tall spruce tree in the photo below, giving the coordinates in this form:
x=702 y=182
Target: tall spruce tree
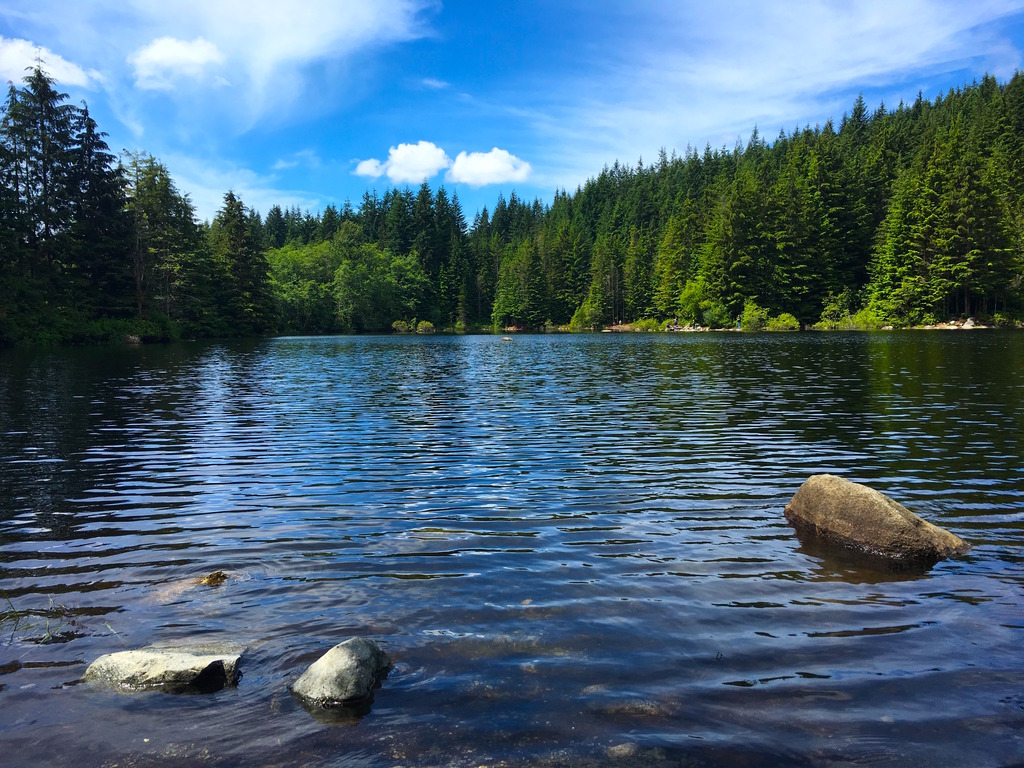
x=246 y=296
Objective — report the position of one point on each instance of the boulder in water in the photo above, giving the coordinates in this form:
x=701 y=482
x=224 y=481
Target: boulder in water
x=174 y=670
x=853 y=516
x=347 y=673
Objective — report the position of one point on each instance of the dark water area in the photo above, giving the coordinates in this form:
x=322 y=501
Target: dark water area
x=573 y=548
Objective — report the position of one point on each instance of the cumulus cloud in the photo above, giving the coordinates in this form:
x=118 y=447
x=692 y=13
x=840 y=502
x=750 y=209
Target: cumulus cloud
x=495 y=167
x=372 y=168
x=168 y=60
x=16 y=55
x=407 y=163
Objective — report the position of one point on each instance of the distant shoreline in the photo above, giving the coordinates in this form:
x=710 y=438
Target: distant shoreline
x=968 y=324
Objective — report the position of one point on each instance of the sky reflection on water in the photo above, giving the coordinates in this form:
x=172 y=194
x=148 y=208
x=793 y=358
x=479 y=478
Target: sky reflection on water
x=568 y=545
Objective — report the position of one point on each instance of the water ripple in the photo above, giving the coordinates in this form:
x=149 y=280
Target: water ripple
x=566 y=543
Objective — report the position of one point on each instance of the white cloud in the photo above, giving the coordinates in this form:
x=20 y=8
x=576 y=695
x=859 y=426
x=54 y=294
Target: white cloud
x=167 y=60
x=407 y=163
x=495 y=167
x=435 y=84
x=372 y=168
x=16 y=55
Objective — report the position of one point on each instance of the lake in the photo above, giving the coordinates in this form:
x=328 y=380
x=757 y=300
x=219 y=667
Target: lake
x=573 y=548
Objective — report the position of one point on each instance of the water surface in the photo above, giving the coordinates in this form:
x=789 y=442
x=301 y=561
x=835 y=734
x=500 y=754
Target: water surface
x=573 y=547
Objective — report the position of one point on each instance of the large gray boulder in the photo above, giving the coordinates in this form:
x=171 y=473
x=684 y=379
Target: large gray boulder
x=837 y=511
x=203 y=669
x=347 y=673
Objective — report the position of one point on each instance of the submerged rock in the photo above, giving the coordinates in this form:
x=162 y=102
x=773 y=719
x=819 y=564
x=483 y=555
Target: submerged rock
x=854 y=516
x=173 y=670
x=214 y=579
x=347 y=673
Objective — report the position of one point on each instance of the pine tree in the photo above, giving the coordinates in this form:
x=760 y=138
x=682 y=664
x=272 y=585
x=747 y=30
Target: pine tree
x=247 y=295
x=100 y=235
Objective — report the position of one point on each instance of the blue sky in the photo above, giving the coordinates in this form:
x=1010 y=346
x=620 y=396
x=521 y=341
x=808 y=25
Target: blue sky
x=314 y=102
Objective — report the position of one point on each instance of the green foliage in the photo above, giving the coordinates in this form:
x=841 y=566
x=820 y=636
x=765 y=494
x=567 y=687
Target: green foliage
x=246 y=289
x=783 y=322
x=754 y=317
x=424 y=326
x=863 y=320
x=300 y=280
x=647 y=325
x=372 y=287
x=166 y=243
x=587 y=317
x=714 y=314
x=835 y=310
x=692 y=303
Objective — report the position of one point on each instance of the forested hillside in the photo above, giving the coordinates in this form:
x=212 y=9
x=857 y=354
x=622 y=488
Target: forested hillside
x=894 y=216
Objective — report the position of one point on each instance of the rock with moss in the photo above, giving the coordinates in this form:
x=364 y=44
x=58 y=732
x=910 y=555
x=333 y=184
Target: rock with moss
x=214 y=579
x=836 y=511
x=347 y=673
x=200 y=669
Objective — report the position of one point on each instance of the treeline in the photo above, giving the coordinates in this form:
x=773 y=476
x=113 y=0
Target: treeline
x=95 y=248
x=900 y=216
x=905 y=216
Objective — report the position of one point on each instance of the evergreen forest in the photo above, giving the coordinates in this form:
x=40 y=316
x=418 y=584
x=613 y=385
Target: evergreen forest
x=900 y=217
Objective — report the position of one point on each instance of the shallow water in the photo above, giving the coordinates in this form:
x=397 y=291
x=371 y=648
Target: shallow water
x=573 y=548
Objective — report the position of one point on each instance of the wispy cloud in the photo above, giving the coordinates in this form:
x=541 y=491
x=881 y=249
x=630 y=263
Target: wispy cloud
x=206 y=183
x=166 y=61
x=269 y=48
x=17 y=55
x=690 y=73
x=307 y=158
x=434 y=84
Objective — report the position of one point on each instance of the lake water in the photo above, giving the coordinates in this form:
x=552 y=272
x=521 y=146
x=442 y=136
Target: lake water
x=573 y=548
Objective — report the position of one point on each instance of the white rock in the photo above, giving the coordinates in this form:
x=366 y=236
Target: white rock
x=200 y=669
x=348 y=672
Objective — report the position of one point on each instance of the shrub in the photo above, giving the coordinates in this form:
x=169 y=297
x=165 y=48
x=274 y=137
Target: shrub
x=754 y=318
x=865 y=320
x=425 y=326
x=716 y=315
x=835 y=310
x=783 y=322
x=647 y=325
x=691 y=301
x=400 y=326
x=586 y=318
